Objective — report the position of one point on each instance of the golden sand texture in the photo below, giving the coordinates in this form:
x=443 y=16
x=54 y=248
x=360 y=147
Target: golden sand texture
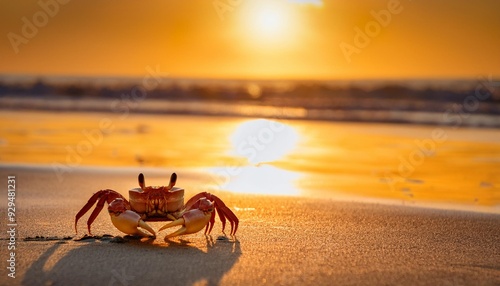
x=281 y=240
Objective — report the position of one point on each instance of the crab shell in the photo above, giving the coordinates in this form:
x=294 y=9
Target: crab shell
x=174 y=199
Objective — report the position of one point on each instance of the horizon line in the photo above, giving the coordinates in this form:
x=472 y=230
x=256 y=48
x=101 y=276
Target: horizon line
x=33 y=76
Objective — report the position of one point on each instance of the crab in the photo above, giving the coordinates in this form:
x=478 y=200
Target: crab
x=159 y=203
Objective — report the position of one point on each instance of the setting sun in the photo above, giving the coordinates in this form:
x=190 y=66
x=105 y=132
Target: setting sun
x=269 y=21
x=258 y=39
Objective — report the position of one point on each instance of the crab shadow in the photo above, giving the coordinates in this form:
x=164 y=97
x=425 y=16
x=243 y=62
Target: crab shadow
x=135 y=263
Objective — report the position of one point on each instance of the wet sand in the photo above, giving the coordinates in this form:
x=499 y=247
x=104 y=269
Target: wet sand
x=441 y=166
x=281 y=240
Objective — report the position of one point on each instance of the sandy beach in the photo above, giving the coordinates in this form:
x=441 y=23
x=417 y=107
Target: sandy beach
x=344 y=209
x=281 y=241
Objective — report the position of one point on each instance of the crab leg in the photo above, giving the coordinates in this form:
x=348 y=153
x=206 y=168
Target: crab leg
x=210 y=224
x=103 y=196
x=95 y=213
x=222 y=210
x=222 y=219
x=85 y=208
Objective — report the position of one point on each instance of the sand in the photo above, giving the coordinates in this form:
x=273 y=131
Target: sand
x=407 y=164
x=281 y=240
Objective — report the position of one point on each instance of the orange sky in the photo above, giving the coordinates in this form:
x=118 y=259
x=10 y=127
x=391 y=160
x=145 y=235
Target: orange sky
x=253 y=38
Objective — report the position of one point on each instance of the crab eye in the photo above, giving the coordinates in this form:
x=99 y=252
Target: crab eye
x=142 y=181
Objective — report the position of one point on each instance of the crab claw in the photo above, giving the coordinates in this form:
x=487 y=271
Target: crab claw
x=126 y=220
x=193 y=220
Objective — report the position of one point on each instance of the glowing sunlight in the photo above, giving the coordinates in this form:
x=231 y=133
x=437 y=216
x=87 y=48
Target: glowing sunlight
x=262 y=140
x=263 y=179
x=269 y=20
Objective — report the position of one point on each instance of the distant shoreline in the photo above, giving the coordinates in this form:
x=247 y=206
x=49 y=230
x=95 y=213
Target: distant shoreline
x=246 y=109
x=454 y=103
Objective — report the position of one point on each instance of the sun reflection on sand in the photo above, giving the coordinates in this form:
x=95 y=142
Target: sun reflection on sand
x=262 y=179
x=261 y=142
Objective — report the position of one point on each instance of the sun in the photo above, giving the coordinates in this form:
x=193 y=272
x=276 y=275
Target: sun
x=268 y=20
